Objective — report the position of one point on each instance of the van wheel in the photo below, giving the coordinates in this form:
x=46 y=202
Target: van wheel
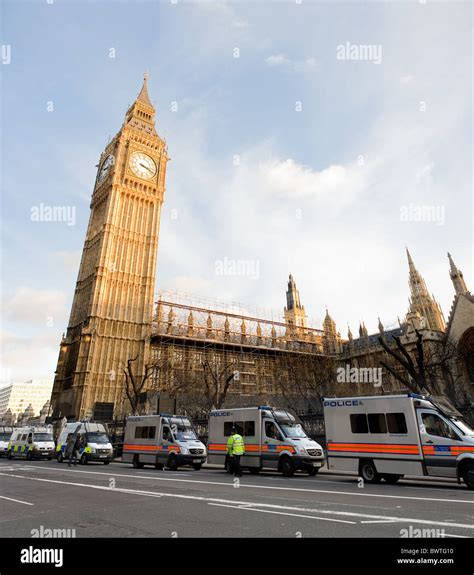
x=172 y=462
x=391 y=478
x=197 y=466
x=9 y=454
x=29 y=456
x=83 y=460
x=60 y=457
x=468 y=475
x=286 y=467
x=159 y=466
x=312 y=471
x=368 y=472
x=136 y=462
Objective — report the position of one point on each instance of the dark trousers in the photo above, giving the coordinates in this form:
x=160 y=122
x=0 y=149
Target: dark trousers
x=237 y=468
x=73 y=456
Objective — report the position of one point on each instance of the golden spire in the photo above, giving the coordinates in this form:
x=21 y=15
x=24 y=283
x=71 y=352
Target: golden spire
x=143 y=95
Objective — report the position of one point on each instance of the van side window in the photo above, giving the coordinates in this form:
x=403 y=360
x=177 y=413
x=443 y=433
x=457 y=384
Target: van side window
x=23 y=437
x=145 y=432
x=244 y=428
x=249 y=428
x=377 y=423
x=359 y=423
x=434 y=425
x=396 y=423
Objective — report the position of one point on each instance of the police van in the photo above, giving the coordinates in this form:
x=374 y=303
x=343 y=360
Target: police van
x=94 y=442
x=5 y=434
x=162 y=440
x=274 y=439
x=31 y=442
x=387 y=437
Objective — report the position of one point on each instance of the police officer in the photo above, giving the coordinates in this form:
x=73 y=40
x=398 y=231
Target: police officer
x=235 y=450
x=75 y=449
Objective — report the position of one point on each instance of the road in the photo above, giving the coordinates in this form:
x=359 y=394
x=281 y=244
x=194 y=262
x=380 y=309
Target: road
x=117 y=500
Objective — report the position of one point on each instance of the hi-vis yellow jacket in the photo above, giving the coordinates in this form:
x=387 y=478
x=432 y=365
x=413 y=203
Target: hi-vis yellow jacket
x=235 y=445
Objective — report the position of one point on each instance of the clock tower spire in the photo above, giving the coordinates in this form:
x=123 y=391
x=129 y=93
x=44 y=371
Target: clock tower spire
x=111 y=314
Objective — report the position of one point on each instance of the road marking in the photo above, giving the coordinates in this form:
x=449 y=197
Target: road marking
x=247 y=503
x=271 y=487
x=15 y=500
x=381 y=521
x=247 y=508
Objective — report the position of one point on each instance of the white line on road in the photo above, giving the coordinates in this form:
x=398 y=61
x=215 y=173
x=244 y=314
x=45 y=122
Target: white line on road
x=248 y=503
x=254 y=486
x=247 y=508
x=16 y=500
x=381 y=521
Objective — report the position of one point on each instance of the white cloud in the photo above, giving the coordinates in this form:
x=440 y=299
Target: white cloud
x=68 y=260
x=24 y=356
x=279 y=59
x=35 y=306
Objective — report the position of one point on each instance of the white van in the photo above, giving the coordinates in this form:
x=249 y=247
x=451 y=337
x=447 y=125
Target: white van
x=31 y=442
x=387 y=437
x=162 y=440
x=95 y=443
x=5 y=434
x=273 y=439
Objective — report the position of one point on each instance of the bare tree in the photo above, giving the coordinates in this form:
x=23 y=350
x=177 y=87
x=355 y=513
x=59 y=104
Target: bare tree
x=217 y=381
x=422 y=368
x=307 y=380
x=134 y=384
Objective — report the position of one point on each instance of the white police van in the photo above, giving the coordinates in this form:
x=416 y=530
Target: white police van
x=387 y=437
x=5 y=434
x=95 y=443
x=162 y=440
x=31 y=442
x=274 y=439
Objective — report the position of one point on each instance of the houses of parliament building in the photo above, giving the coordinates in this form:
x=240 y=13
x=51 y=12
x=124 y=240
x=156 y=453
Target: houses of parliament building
x=207 y=356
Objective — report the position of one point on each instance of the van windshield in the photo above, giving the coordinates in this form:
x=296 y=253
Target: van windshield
x=4 y=436
x=463 y=427
x=182 y=429
x=97 y=438
x=43 y=437
x=289 y=425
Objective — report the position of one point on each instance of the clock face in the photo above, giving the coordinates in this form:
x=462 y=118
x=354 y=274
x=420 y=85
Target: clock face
x=142 y=165
x=105 y=168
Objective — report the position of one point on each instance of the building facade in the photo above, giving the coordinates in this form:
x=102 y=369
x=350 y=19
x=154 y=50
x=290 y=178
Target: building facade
x=19 y=396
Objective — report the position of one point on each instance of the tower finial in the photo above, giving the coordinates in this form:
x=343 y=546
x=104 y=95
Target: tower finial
x=457 y=278
x=411 y=264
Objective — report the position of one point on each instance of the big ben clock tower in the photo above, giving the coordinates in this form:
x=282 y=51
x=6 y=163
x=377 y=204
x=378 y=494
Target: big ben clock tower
x=111 y=314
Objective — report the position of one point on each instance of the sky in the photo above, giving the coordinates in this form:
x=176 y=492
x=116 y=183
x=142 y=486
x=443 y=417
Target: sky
x=312 y=138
